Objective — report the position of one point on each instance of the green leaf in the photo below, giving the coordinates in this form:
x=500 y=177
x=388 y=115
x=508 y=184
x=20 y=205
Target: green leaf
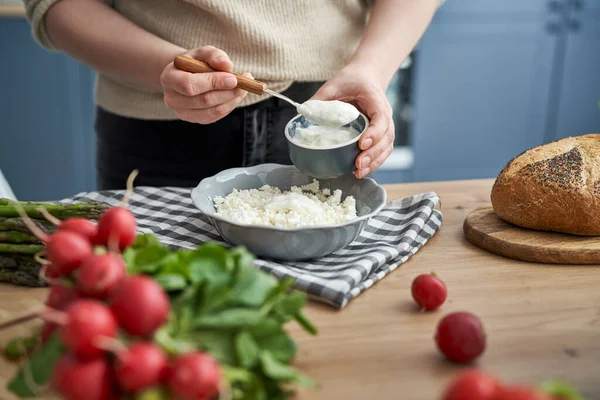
x=230 y=318
x=146 y=240
x=171 y=345
x=305 y=323
x=247 y=350
x=562 y=389
x=282 y=372
x=171 y=282
x=216 y=252
x=219 y=343
x=252 y=287
x=279 y=345
x=148 y=260
x=206 y=269
x=39 y=366
x=289 y=306
x=244 y=384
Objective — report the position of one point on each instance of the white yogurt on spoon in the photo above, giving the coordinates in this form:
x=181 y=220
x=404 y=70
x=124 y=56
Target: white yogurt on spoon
x=332 y=113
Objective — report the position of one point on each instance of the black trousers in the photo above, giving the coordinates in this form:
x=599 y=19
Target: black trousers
x=179 y=153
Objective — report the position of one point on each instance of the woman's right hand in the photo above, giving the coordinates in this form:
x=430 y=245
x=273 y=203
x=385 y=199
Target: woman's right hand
x=206 y=97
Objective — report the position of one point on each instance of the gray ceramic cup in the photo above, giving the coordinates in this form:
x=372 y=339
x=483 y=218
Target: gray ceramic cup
x=328 y=162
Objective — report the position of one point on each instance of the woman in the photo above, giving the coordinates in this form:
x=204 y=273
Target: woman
x=177 y=127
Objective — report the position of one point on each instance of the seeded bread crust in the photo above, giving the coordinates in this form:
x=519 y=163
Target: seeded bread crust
x=553 y=187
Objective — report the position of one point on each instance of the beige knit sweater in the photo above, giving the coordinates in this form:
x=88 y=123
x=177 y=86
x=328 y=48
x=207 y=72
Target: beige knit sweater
x=278 y=41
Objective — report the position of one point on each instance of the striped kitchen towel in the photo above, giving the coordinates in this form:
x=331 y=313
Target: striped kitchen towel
x=387 y=241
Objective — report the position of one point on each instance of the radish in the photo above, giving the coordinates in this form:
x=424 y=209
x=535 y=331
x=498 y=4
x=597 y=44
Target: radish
x=194 y=376
x=117 y=225
x=139 y=367
x=82 y=226
x=65 y=250
x=75 y=379
x=100 y=274
x=84 y=327
x=141 y=305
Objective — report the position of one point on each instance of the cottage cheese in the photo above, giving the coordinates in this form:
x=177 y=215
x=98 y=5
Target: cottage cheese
x=301 y=206
x=333 y=113
x=324 y=136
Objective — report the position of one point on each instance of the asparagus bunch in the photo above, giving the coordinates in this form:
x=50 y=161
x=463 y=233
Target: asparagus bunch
x=18 y=245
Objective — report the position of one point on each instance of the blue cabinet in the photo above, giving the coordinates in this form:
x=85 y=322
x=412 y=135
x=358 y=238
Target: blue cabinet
x=47 y=145
x=577 y=107
x=483 y=83
x=494 y=78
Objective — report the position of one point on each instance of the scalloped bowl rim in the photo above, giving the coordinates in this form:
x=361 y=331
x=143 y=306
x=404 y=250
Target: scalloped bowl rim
x=269 y=167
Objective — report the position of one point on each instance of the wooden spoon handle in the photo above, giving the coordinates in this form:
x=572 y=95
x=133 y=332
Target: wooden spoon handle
x=192 y=65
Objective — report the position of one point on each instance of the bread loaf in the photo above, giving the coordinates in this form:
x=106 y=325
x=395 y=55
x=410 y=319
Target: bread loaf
x=553 y=187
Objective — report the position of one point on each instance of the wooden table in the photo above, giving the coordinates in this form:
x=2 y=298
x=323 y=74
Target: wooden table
x=542 y=321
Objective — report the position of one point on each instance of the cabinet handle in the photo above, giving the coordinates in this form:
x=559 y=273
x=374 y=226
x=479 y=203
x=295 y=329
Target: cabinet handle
x=553 y=27
x=555 y=6
x=574 y=25
x=576 y=5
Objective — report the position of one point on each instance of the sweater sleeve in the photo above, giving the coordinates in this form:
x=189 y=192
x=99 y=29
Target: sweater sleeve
x=36 y=12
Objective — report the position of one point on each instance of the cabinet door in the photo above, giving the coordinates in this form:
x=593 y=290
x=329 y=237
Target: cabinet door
x=578 y=100
x=46 y=113
x=481 y=93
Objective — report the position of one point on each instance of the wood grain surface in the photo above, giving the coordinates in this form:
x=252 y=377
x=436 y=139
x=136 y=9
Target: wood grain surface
x=485 y=229
x=542 y=321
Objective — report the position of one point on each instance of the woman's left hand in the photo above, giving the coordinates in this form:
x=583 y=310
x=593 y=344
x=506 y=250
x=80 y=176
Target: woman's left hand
x=365 y=92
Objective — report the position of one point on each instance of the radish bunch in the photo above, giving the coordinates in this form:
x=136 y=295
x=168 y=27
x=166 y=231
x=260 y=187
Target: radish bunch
x=106 y=319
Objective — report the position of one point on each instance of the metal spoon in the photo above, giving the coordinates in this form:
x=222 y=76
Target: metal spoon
x=318 y=113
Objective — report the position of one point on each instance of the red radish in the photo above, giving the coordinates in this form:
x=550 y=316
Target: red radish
x=87 y=323
x=141 y=305
x=100 y=274
x=461 y=337
x=81 y=226
x=67 y=250
x=75 y=379
x=521 y=393
x=472 y=384
x=194 y=376
x=60 y=297
x=84 y=227
x=429 y=291
x=139 y=367
x=117 y=224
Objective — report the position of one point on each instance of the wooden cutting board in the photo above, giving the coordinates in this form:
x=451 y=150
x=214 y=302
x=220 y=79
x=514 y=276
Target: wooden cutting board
x=485 y=230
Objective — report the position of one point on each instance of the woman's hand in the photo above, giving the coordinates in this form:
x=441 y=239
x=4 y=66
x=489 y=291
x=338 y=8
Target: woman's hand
x=366 y=93
x=202 y=98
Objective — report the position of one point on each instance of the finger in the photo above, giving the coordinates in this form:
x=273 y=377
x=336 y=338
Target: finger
x=209 y=115
x=213 y=98
x=214 y=57
x=189 y=84
x=367 y=157
x=377 y=127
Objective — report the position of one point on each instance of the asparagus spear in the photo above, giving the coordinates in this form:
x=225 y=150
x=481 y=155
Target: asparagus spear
x=90 y=210
x=18 y=238
x=21 y=248
x=17 y=224
x=20 y=270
